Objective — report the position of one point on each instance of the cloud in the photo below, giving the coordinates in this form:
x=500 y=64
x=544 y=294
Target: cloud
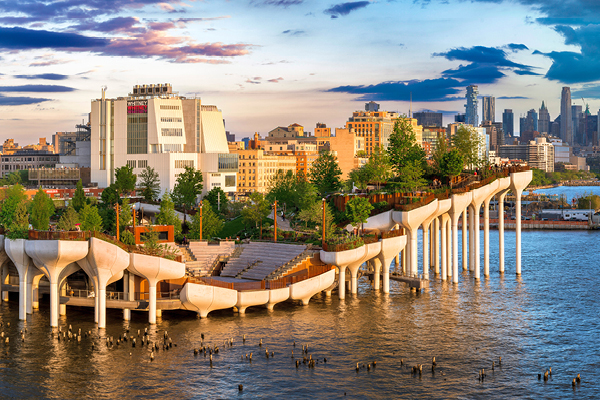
x=341 y=9
x=523 y=72
x=27 y=39
x=276 y=80
x=48 y=63
x=475 y=73
x=481 y=54
x=113 y=25
x=277 y=3
x=277 y=62
x=254 y=81
x=587 y=92
x=293 y=32
x=50 y=77
x=20 y=101
x=441 y=89
x=37 y=88
x=516 y=47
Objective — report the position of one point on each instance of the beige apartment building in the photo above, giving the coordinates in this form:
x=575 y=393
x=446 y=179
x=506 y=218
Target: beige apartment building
x=256 y=169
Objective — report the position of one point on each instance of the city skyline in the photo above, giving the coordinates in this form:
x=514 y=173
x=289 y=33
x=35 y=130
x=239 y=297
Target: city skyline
x=272 y=63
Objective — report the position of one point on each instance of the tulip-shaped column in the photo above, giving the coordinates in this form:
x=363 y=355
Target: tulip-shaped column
x=500 y=196
x=371 y=250
x=341 y=259
x=104 y=264
x=444 y=221
x=500 y=185
x=442 y=207
x=3 y=270
x=479 y=196
x=15 y=249
x=390 y=247
x=411 y=220
x=459 y=203
x=518 y=182
x=34 y=274
x=155 y=269
x=53 y=256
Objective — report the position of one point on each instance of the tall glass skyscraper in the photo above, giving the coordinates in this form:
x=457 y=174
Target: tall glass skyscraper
x=508 y=123
x=566 y=120
x=488 y=108
x=471 y=106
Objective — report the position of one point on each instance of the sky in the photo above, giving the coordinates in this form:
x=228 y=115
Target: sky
x=269 y=63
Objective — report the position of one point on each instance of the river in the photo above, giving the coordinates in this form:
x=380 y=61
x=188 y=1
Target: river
x=548 y=317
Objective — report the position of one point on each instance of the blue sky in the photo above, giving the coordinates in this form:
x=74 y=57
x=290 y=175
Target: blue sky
x=267 y=63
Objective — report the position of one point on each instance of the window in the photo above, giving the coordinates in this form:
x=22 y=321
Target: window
x=171 y=148
x=229 y=180
x=172 y=131
x=170 y=119
x=165 y=107
x=184 y=163
x=131 y=163
x=142 y=163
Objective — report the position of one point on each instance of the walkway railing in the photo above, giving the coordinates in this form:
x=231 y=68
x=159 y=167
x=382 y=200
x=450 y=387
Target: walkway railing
x=172 y=295
x=84 y=293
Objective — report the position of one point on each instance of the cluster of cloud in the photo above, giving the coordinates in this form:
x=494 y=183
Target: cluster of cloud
x=257 y=80
x=485 y=65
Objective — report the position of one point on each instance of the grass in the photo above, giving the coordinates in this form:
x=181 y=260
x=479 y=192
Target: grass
x=233 y=227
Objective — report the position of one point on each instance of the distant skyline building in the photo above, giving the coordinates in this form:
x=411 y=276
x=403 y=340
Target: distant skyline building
x=488 y=109
x=428 y=118
x=371 y=106
x=577 y=115
x=508 y=122
x=544 y=119
x=458 y=118
x=472 y=117
x=566 y=124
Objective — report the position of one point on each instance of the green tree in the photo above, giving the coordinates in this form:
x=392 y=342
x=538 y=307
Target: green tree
x=79 y=200
x=42 y=208
x=149 y=183
x=410 y=176
x=90 y=218
x=68 y=221
x=451 y=164
x=13 y=196
x=218 y=200
x=588 y=201
x=187 y=188
x=358 y=210
x=378 y=168
x=110 y=196
x=211 y=222
x=14 y=178
x=109 y=219
x=282 y=187
x=325 y=173
x=167 y=216
x=469 y=144
x=403 y=149
x=125 y=179
x=360 y=177
x=314 y=214
x=305 y=192
x=125 y=215
x=256 y=210
x=19 y=226
x=440 y=151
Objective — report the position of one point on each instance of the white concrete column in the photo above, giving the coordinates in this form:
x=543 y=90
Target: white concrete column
x=342 y=283
x=518 y=194
x=126 y=289
x=471 y=238
x=354 y=280
x=377 y=273
x=465 y=223
x=54 y=300
x=62 y=308
x=23 y=297
x=4 y=279
x=397 y=261
x=501 y=231
x=455 y=249
x=158 y=313
x=426 y=251
x=444 y=252
x=477 y=243
x=437 y=246
x=486 y=237
x=33 y=277
x=449 y=248
x=404 y=260
x=386 y=278
x=152 y=306
x=101 y=308
x=431 y=243
x=96 y=305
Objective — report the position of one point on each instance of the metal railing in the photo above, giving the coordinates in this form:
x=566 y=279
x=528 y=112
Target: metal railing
x=85 y=293
x=172 y=295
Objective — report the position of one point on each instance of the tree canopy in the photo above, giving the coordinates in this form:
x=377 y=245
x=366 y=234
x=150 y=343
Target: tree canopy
x=211 y=223
x=124 y=179
x=218 y=200
x=256 y=210
x=149 y=182
x=79 y=200
x=451 y=164
x=13 y=196
x=90 y=218
x=19 y=225
x=69 y=220
x=167 y=216
x=469 y=144
x=358 y=210
x=403 y=149
x=325 y=173
x=187 y=188
x=42 y=208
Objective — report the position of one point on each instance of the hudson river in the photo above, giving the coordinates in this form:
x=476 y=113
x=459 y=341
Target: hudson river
x=548 y=317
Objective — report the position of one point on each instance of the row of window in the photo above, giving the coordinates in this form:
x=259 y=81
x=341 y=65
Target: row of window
x=166 y=107
x=137 y=163
x=19 y=159
x=170 y=119
x=184 y=163
x=171 y=131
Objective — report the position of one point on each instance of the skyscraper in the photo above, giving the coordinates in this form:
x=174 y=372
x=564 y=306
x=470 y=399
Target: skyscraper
x=508 y=122
x=544 y=120
x=488 y=108
x=428 y=118
x=471 y=107
x=566 y=120
x=577 y=115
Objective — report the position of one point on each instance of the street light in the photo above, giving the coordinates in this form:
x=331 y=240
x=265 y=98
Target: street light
x=117 y=211
x=275 y=219
x=323 y=240
x=200 y=208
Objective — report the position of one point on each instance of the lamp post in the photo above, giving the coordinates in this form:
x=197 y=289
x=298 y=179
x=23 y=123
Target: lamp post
x=117 y=211
x=275 y=219
x=323 y=241
x=200 y=220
